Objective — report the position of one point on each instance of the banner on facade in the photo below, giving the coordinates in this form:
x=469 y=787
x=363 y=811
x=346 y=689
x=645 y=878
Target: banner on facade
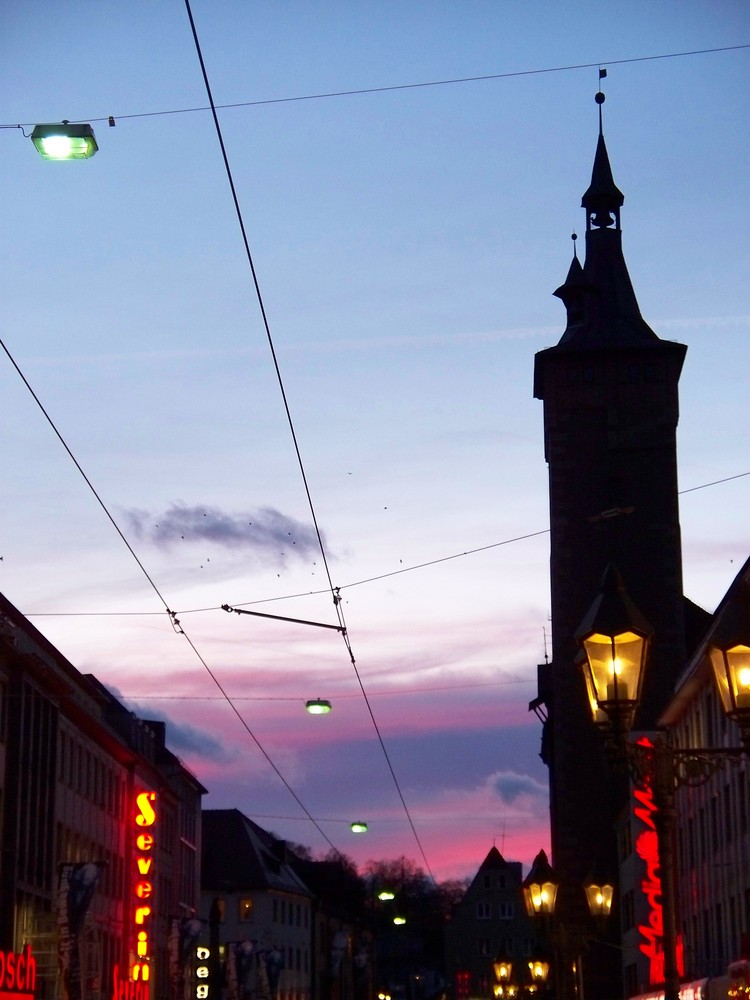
x=75 y=889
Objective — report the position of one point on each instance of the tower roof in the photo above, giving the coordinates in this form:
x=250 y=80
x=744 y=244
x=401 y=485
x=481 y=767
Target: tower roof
x=603 y=311
x=602 y=193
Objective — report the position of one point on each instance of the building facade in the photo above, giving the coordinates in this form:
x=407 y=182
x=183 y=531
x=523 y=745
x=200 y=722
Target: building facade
x=99 y=829
x=258 y=913
x=489 y=922
x=610 y=394
x=712 y=814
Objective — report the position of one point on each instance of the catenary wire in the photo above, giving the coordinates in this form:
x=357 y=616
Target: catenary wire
x=413 y=86
x=172 y=615
x=301 y=466
x=354 y=583
x=336 y=591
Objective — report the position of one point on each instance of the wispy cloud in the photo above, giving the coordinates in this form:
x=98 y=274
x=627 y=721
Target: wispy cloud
x=189 y=741
x=265 y=530
x=512 y=786
x=181 y=737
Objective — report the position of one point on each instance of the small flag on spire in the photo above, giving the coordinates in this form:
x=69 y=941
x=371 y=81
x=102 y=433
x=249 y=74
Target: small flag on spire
x=602 y=73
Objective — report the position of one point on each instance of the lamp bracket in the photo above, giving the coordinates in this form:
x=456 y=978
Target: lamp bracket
x=668 y=767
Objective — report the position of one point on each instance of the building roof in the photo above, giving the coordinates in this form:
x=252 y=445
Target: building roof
x=493 y=861
x=602 y=310
x=238 y=854
x=698 y=667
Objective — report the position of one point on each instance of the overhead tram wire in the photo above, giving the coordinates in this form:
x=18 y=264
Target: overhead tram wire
x=174 y=620
x=335 y=593
x=568 y=68
x=354 y=583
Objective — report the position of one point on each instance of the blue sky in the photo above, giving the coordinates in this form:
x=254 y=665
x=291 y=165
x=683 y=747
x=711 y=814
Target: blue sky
x=406 y=243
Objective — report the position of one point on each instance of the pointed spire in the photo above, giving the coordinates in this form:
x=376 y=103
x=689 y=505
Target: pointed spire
x=599 y=298
x=573 y=290
x=603 y=198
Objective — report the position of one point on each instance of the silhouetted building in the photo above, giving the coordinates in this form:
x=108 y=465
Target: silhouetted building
x=99 y=831
x=264 y=910
x=489 y=921
x=610 y=393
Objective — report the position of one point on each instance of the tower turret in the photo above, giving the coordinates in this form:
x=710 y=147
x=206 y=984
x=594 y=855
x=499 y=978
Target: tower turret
x=610 y=394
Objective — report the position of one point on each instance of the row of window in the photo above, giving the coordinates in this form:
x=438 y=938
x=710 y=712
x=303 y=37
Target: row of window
x=292 y=914
x=73 y=847
x=716 y=932
x=511 y=946
x=501 y=911
x=494 y=881
x=283 y=911
x=90 y=776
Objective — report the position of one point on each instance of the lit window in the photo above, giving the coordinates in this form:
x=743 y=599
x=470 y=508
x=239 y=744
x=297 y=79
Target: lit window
x=246 y=909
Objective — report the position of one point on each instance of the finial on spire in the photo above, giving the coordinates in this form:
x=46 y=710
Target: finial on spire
x=600 y=98
x=574 y=237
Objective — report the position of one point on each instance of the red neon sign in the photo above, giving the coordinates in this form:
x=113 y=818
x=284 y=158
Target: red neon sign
x=647 y=848
x=143 y=888
x=17 y=974
x=136 y=986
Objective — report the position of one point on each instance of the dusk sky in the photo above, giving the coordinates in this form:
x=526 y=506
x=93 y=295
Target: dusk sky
x=406 y=240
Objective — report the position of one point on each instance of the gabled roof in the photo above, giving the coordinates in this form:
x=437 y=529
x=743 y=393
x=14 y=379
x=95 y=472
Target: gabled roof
x=493 y=861
x=238 y=854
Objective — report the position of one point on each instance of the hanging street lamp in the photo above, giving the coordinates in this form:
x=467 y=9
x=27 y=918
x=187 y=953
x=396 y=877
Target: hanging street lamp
x=318 y=706
x=64 y=141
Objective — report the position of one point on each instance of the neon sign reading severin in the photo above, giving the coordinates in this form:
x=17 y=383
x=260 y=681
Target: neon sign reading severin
x=145 y=818
x=136 y=987
x=647 y=848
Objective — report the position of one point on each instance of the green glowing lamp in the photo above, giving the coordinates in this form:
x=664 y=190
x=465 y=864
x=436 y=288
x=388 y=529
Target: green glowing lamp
x=63 y=141
x=318 y=706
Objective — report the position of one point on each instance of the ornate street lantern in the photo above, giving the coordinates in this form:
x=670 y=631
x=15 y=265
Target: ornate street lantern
x=729 y=651
x=540 y=888
x=503 y=967
x=615 y=638
x=599 y=894
x=538 y=972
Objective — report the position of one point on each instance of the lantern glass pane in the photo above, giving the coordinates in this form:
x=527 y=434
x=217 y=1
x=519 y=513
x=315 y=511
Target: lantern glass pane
x=539 y=971
x=738 y=658
x=615 y=665
x=722 y=679
x=599 y=899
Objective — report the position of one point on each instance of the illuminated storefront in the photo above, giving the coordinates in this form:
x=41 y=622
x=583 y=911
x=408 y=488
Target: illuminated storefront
x=100 y=830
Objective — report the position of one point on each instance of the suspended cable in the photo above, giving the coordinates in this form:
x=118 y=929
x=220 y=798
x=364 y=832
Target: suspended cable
x=334 y=591
x=410 y=86
x=354 y=583
x=174 y=620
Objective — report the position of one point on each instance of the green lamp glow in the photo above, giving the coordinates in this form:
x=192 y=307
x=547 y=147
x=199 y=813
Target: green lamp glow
x=318 y=706
x=63 y=141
